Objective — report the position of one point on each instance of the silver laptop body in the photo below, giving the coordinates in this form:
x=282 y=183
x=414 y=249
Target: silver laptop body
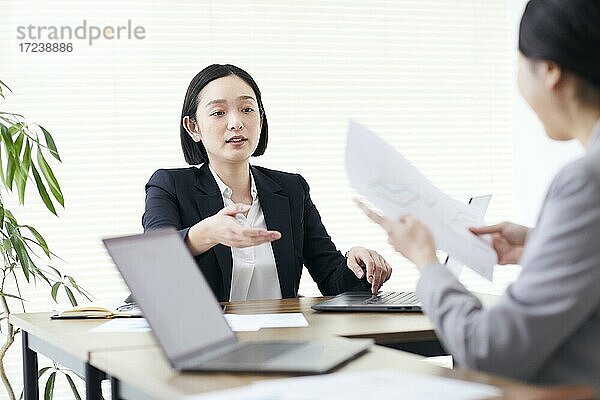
x=393 y=301
x=187 y=320
x=365 y=301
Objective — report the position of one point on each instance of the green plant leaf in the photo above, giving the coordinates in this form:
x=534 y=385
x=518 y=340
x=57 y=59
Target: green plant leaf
x=7 y=139
x=50 y=143
x=11 y=296
x=23 y=173
x=7 y=245
x=4 y=84
x=33 y=269
x=16 y=128
x=54 y=291
x=50 y=178
x=49 y=391
x=22 y=255
x=11 y=168
x=41 y=371
x=1 y=213
x=71 y=296
x=73 y=387
x=40 y=239
x=2 y=177
x=57 y=272
x=10 y=217
x=40 y=273
x=42 y=190
x=18 y=142
x=73 y=283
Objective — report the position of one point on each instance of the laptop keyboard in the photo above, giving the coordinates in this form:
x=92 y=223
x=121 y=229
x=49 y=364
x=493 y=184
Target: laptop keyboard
x=408 y=298
x=257 y=352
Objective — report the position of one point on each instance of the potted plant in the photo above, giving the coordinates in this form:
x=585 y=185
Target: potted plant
x=25 y=150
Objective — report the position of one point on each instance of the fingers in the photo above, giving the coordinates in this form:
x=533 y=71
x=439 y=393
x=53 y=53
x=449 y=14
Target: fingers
x=376 y=268
x=378 y=274
x=388 y=273
x=488 y=229
x=363 y=256
x=234 y=209
x=241 y=237
x=383 y=271
x=355 y=267
x=373 y=215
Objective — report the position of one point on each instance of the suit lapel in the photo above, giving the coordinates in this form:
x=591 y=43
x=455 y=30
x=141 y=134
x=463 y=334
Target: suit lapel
x=209 y=201
x=276 y=209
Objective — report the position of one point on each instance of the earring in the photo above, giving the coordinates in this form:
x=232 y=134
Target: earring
x=197 y=136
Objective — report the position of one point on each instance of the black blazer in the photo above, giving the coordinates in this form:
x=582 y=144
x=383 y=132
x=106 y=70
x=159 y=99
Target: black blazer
x=181 y=197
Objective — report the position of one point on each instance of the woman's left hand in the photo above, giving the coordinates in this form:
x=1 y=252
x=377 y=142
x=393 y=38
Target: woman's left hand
x=377 y=269
x=407 y=235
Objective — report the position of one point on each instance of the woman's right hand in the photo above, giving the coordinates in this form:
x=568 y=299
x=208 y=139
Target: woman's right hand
x=223 y=228
x=508 y=240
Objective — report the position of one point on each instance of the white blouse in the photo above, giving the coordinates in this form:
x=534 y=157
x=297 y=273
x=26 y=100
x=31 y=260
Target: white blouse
x=254 y=274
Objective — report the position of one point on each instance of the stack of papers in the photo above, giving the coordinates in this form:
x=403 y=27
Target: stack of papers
x=382 y=384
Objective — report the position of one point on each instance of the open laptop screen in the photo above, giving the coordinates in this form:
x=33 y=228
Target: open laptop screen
x=171 y=291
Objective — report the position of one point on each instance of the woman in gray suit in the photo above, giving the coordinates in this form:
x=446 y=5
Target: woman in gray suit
x=546 y=326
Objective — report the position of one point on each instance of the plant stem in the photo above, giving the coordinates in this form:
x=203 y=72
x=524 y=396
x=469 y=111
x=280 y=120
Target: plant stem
x=10 y=338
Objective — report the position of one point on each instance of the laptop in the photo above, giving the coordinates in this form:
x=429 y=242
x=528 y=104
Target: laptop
x=188 y=322
x=393 y=301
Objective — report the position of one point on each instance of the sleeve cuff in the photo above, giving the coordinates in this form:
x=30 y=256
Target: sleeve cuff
x=184 y=233
x=433 y=277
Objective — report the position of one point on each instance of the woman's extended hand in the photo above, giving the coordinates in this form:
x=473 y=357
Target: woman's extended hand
x=223 y=228
x=508 y=240
x=377 y=269
x=407 y=235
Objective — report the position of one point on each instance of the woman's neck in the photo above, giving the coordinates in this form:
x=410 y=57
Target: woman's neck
x=235 y=176
x=583 y=124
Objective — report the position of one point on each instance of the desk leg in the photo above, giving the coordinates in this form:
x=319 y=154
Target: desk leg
x=114 y=388
x=30 y=370
x=93 y=381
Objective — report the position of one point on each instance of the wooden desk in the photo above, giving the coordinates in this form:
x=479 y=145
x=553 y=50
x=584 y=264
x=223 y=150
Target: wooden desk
x=384 y=328
x=139 y=370
x=145 y=374
x=69 y=343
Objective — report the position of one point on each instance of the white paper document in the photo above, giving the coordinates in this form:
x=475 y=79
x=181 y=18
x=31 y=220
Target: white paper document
x=123 y=325
x=237 y=322
x=386 y=179
x=378 y=384
x=480 y=204
x=254 y=322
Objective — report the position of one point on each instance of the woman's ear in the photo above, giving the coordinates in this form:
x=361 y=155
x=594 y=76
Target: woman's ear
x=192 y=129
x=552 y=73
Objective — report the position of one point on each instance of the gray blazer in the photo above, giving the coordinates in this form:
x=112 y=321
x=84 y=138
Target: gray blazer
x=546 y=326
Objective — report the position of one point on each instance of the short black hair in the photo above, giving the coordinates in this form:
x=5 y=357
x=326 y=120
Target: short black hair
x=195 y=152
x=565 y=32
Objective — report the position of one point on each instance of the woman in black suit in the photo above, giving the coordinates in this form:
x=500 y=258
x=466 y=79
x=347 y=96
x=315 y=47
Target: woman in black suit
x=251 y=229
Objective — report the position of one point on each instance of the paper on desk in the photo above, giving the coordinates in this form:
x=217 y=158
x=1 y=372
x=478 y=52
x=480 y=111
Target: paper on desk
x=237 y=322
x=123 y=325
x=385 y=178
x=358 y=386
x=254 y=322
